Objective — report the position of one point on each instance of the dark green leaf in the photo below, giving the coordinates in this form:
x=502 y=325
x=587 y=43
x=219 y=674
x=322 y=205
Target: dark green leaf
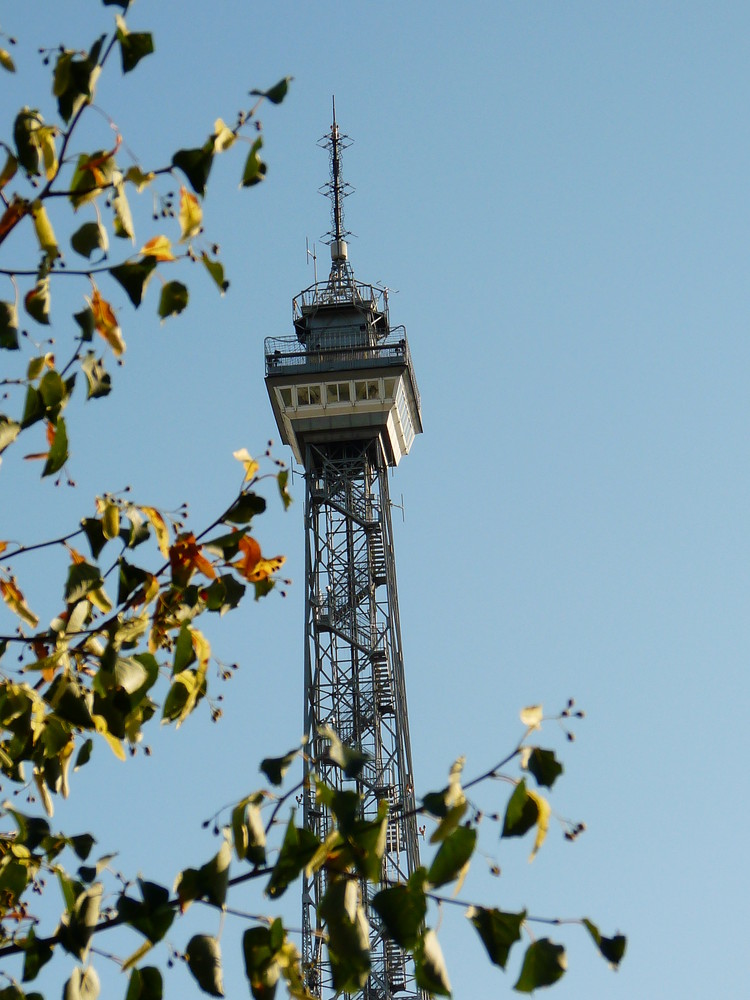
x=434 y=803
x=57 y=456
x=74 y=79
x=613 y=949
x=84 y=754
x=8 y=326
x=297 y=849
x=173 y=299
x=282 y=479
x=196 y=165
x=262 y=970
x=402 y=909
x=224 y=594
x=226 y=546
x=263 y=587
x=36 y=954
x=77 y=924
x=184 y=654
x=134 y=277
x=203 y=957
x=499 y=931
x=277 y=93
x=133 y=47
x=454 y=853
x=145 y=983
x=82 y=843
x=348 y=935
x=521 y=813
x=208 y=882
x=36 y=302
x=89 y=237
x=430 y=971
x=248 y=834
x=275 y=768
x=543 y=964
x=255 y=168
x=153 y=917
x=85 y=319
x=24 y=126
x=94 y=532
x=245 y=507
x=33 y=408
x=544 y=766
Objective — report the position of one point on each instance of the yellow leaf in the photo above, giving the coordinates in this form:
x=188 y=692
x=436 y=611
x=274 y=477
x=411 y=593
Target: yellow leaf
x=16 y=602
x=6 y=61
x=100 y=600
x=160 y=529
x=251 y=466
x=136 y=176
x=158 y=247
x=110 y=517
x=45 y=137
x=105 y=322
x=191 y=215
x=9 y=170
x=137 y=955
x=123 y=224
x=44 y=232
x=531 y=716
x=223 y=136
x=542 y=822
x=3 y=546
x=202 y=649
x=115 y=745
x=43 y=792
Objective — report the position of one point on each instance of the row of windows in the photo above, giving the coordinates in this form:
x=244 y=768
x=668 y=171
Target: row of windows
x=359 y=390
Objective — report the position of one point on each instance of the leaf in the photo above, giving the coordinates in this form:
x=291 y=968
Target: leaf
x=25 y=126
x=532 y=716
x=521 y=813
x=106 y=323
x=36 y=302
x=9 y=170
x=248 y=834
x=196 y=165
x=544 y=766
x=58 y=453
x=9 y=431
x=160 y=529
x=99 y=381
x=543 y=964
x=145 y=983
x=216 y=270
x=277 y=93
x=158 y=247
x=350 y=759
x=430 y=971
x=190 y=216
x=261 y=966
x=348 y=935
x=298 y=847
x=223 y=136
x=402 y=909
x=85 y=319
x=452 y=858
x=15 y=600
x=153 y=917
x=6 y=61
x=82 y=578
x=613 y=949
x=452 y=805
x=44 y=231
x=134 y=277
x=282 y=479
x=255 y=168
x=275 y=768
x=245 y=507
x=75 y=79
x=134 y=46
x=499 y=931
x=77 y=924
x=248 y=462
x=9 y=326
x=123 y=224
x=173 y=299
x=135 y=176
x=208 y=882
x=89 y=237
x=203 y=957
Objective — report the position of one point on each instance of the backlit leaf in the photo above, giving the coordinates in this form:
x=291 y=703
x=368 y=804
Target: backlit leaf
x=431 y=973
x=543 y=964
x=173 y=299
x=99 y=381
x=160 y=529
x=36 y=302
x=248 y=462
x=255 y=168
x=158 y=247
x=6 y=61
x=9 y=170
x=44 y=231
x=531 y=716
x=190 y=215
x=123 y=224
x=135 y=176
x=58 y=453
x=15 y=600
x=106 y=323
x=223 y=136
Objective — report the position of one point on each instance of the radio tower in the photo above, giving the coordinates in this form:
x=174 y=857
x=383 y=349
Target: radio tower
x=346 y=401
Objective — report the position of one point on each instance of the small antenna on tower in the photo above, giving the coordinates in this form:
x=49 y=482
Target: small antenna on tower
x=312 y=253
x=337 y=189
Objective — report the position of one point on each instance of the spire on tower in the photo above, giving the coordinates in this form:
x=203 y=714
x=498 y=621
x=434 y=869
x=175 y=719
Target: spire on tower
x=337 y=189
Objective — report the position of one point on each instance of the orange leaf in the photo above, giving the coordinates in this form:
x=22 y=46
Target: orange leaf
x=158 y=247
x=105 y=322
x=253 y=566
x=185 y=558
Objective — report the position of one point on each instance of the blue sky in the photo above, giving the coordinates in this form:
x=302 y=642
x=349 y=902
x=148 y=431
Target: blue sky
x=556 y=193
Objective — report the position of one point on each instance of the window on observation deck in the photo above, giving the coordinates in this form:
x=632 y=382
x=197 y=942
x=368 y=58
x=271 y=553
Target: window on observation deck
x=286 y=396
x=367 y=389
x=338 y=392
x=308 y=395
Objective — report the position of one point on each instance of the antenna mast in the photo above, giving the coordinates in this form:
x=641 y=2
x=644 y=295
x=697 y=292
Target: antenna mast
x=337 y=189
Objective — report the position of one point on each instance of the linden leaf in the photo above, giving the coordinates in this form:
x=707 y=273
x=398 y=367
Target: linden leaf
x=173 y=299
x=255 y=168
x=277 y=93
x=158 y=247
x=9 y=170
x=190 y=215
x=44 y=231
x=135 y=176
x=6 y=61
x=36 y=302
x=160 y=529
x=531 y=716
x=106 y=323
x=15 y=600
x=223 y=136
x=249 y=463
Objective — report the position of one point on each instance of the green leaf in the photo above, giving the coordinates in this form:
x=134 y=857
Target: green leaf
x=134 y=46
x=174 y=298
x=277 y=93
x=402 y=909
x=58 y=453
x=499 y=931
x=77 y=924
x=84 y=755
x=74 y=79
x=196 y=165
x=275 y=768
x=248 y=834
x=244 y=509
x=85 y=319
x=543 y=964
x=83 y=842
x=544 y=766
x=134 y=277
x=216 y=270
x=298 y=847
x=153 y=917
x=453 y=856
x=255 y=168
x=145 y=983
x=36 y=954
x=25 y=126
x=9 y=431
x=91 y=236
x=203 y=957
x=612 y=949
x=350 y=759
x=8 y=326
x=430 y=971
x=521 y=813
x=82 y=579
x=259 y=949
x=282 y=479
x=36 y=302
x=348 y=935
x=224 y=594
x=208 y=882
x=98 y=379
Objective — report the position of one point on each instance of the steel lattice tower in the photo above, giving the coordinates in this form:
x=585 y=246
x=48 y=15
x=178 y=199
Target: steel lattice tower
x=345 y=399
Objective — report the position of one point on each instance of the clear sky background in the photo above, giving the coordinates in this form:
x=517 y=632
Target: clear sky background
x=556 y=194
